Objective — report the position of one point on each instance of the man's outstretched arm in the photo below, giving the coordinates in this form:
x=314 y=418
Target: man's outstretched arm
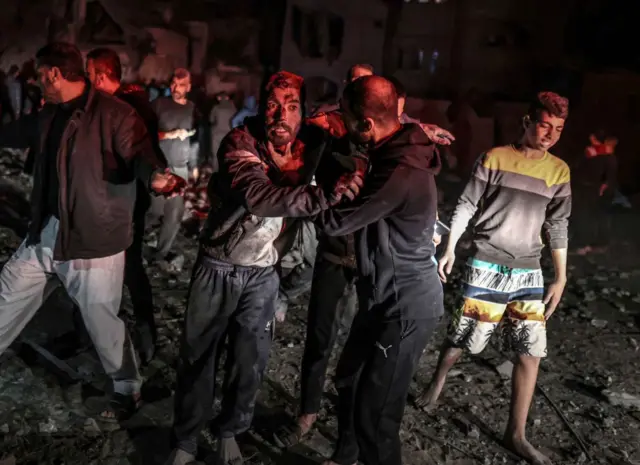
x=378 y=199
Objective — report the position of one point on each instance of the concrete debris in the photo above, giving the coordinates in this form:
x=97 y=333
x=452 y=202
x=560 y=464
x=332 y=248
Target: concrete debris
x=505 y=370
x=622 y=399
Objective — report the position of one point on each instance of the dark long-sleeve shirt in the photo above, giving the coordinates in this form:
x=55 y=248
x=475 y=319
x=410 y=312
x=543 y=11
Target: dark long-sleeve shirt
x=393 y=220
x=518 y=198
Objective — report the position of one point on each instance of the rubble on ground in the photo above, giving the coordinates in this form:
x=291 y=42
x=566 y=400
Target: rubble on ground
x=591 y=374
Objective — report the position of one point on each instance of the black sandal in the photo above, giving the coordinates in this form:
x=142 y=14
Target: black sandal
x=289 y=435
x=113 y=410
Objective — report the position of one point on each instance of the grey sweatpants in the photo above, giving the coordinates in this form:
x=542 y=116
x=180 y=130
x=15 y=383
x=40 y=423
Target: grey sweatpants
x=95 y=285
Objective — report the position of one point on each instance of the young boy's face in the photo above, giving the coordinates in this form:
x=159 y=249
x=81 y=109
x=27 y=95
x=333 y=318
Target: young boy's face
x=545 y=132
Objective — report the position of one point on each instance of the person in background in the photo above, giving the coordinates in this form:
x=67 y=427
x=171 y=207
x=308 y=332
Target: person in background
x=603 y=173
x=81 y=215
x=177 y=122
x=521 y=190
x=15 y=92
x=104 y=71
x=153 y=90
x=249 y=109
x=220 y=118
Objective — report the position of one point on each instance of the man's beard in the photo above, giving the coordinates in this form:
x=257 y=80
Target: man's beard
x=280 y=140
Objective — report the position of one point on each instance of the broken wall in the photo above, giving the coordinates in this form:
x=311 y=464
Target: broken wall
x=325 y=38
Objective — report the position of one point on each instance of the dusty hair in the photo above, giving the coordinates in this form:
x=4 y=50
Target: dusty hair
x=182 y=73
x=284 y=80
x=106 y=61
x=552 y=103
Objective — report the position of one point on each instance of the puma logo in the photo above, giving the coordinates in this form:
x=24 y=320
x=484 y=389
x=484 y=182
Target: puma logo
x=383 y=349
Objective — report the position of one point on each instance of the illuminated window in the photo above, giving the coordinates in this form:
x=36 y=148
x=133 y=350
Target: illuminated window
x=434 y=61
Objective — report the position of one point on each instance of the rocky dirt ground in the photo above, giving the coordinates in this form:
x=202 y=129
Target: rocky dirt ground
x=585 y=411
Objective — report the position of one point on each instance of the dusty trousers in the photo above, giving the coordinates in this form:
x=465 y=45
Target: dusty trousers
x=94 y=285
x=168 y=212
x=238 y=302
x=373 y=376
x=330 y=281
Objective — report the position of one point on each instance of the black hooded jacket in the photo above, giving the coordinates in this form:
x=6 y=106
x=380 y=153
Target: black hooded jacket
x=393 y=220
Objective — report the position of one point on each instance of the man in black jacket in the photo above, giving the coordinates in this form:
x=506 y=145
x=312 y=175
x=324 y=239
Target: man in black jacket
x=91 y=150
x=266 y=167
x=104 y=72
x=398 y=288
x=334 y=276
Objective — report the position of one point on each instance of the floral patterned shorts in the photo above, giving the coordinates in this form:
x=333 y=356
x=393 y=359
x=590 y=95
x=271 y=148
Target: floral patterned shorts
x=503 y=298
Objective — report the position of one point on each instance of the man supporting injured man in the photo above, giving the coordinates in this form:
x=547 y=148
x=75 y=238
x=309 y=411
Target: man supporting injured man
x=398 y=288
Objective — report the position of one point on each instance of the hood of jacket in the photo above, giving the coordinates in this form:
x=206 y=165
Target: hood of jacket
x=412 y=146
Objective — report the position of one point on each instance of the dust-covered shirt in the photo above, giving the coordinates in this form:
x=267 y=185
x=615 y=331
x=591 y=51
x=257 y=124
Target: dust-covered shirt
x=517 y=198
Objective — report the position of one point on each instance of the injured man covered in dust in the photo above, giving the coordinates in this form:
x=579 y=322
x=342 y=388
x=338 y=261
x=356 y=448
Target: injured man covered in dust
x=266 y=167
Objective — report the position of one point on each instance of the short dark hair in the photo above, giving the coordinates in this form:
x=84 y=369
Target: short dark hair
x=372 y=97
x=552 y=103
x=352 y=70
x=13 y=69
x=64 y=56
x=181 y=73
x=401 y=91
x=106 y=61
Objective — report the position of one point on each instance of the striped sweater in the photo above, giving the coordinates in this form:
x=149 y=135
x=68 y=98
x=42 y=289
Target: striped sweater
x=518 y=198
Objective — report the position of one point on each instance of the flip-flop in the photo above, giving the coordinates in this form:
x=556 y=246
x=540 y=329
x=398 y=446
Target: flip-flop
x=113 y=410
x=289 y=435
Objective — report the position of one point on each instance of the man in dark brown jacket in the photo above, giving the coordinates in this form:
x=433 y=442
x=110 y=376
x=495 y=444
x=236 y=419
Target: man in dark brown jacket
x=91 y=150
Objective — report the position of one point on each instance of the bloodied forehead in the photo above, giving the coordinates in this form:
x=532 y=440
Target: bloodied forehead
x=285 y=95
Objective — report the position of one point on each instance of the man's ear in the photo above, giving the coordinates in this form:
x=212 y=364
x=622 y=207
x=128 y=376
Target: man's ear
x=526 y=121
x=365 y=125
x=55 y=75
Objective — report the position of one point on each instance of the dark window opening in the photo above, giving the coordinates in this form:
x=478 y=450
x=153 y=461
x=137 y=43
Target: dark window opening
x=336 y=35
x=410 y=58
x=99 y=27
x=316 y=34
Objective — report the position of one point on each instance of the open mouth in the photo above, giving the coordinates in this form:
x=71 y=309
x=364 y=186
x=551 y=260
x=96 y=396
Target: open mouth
x=280 y=131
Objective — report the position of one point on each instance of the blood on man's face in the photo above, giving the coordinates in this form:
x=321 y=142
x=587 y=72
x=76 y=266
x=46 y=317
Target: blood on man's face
x=283 y=115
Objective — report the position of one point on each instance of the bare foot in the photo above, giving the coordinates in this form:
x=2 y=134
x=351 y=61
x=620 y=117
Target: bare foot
x=524 y=448
x=290 y=435
x=229 y=452
x=584 y=250
x=428 y=400
x=305 y=422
